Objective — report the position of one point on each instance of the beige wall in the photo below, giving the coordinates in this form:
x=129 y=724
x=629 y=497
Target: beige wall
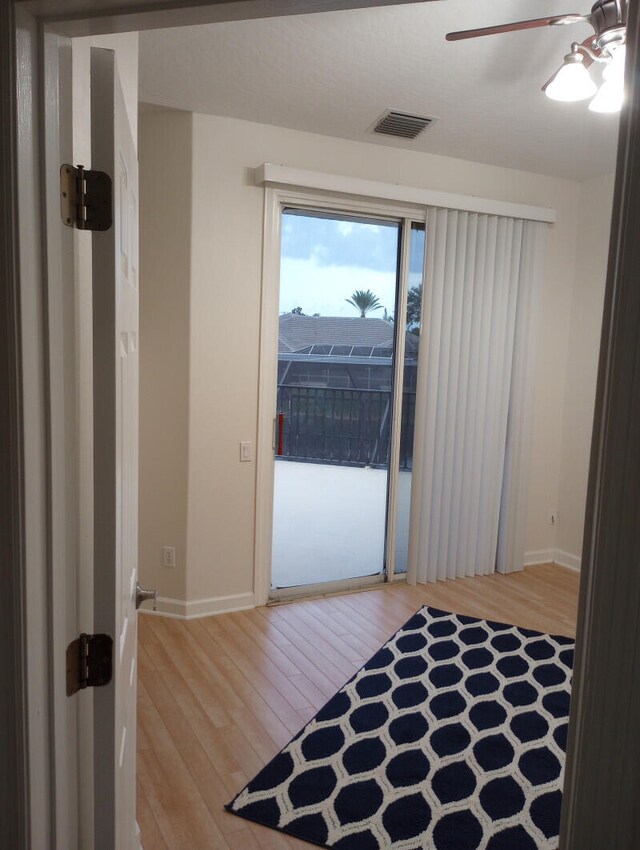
x=165 y=283
x=226 y=259
x=594 y=222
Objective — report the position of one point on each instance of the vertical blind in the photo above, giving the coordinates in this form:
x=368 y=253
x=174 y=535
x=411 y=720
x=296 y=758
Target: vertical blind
x=474 y=398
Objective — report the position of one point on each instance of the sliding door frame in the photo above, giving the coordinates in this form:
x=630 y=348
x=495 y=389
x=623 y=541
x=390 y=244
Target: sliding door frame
x=396 y=407
x=275 y=201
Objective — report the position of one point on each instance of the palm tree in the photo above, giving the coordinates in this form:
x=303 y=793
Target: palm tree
x=365 y=301
x=414 y=309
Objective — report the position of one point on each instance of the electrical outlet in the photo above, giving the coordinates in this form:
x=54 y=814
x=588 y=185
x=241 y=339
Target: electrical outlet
x=169 y=556
x=553 y=517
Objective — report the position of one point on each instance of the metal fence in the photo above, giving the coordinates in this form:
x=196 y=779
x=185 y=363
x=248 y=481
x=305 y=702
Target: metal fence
x=349 y=427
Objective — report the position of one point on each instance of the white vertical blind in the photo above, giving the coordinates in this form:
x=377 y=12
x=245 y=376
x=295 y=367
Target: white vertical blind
x=515 y=490
x=480 y=280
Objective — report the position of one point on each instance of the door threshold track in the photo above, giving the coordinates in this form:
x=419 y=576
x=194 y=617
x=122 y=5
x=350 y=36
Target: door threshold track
x=284 y=596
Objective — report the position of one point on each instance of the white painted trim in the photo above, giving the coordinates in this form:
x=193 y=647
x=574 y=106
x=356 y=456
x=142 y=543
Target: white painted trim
x=280 y=175
x=538 y=556
x=183 y=609
x=364 y=205
x=566 y=559
x=268 y=380
x=326 y=588
x=61 y=357
x=40 y=776
x=552 y=556
x=13 y=528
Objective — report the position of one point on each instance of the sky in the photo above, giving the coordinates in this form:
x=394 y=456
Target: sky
x=324 y=260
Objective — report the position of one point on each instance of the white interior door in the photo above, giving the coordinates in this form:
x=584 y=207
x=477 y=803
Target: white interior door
x=115 y=327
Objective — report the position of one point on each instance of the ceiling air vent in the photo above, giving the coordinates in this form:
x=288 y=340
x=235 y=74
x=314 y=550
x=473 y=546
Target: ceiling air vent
x=402 y=124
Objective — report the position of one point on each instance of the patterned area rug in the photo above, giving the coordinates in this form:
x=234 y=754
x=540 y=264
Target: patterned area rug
x=452 y=737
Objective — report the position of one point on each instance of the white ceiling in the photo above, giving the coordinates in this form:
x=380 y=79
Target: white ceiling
x=335 y=73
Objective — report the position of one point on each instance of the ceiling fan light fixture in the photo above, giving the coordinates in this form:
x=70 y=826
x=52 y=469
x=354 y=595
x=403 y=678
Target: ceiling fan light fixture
x=614 y=70
x=609 y=98
x=572 y=81
x=610 y=95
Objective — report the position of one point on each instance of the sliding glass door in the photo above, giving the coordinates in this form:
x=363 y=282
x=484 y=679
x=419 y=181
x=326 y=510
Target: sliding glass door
x=341 y=422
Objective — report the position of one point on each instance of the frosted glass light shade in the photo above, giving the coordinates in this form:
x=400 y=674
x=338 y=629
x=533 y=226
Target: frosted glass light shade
x=611 y=93
x=571 y=83
x=609 y=97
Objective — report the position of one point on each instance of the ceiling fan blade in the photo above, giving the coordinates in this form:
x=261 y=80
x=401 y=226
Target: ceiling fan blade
x=518 y=25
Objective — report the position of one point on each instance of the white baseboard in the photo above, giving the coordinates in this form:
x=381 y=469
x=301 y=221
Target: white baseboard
x=566 y=559
x=183 y=609
x=539 y=556
x=552 y=556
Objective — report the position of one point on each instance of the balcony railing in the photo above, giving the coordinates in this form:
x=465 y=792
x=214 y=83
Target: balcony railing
x=348 y=427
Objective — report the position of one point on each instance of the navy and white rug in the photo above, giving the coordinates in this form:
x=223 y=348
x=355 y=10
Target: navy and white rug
x=452 y=737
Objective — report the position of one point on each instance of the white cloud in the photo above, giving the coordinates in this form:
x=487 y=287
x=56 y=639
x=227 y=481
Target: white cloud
x=323 y=289
x=415 y=279
x=318 y=252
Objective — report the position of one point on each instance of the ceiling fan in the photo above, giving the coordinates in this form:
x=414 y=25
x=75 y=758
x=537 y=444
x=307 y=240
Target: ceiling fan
x=572 y=81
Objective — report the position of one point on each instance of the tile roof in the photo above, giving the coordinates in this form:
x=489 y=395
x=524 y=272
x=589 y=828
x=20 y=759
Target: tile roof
x=300 y=332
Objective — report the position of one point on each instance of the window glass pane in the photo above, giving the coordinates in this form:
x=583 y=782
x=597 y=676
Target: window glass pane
x=410 y=372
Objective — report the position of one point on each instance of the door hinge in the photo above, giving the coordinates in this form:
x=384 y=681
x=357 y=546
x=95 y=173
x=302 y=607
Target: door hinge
x=85 y=198
x=89 y=662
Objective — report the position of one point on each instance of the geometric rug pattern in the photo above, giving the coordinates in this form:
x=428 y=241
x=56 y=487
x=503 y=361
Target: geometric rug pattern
x=451 y=737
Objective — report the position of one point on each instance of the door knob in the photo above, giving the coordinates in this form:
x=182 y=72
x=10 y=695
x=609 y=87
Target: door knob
x=143 y=595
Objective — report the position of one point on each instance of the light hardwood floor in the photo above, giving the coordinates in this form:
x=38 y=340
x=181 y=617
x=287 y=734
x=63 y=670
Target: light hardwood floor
x=218 y=697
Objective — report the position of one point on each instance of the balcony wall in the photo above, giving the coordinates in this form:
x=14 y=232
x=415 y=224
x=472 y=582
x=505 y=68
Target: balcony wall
x=329 y=522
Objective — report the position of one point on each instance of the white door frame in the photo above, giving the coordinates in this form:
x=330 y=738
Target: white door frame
x=596 y=801
x=275 y=200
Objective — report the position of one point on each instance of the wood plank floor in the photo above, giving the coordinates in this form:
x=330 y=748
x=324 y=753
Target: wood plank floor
x=218 y=697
